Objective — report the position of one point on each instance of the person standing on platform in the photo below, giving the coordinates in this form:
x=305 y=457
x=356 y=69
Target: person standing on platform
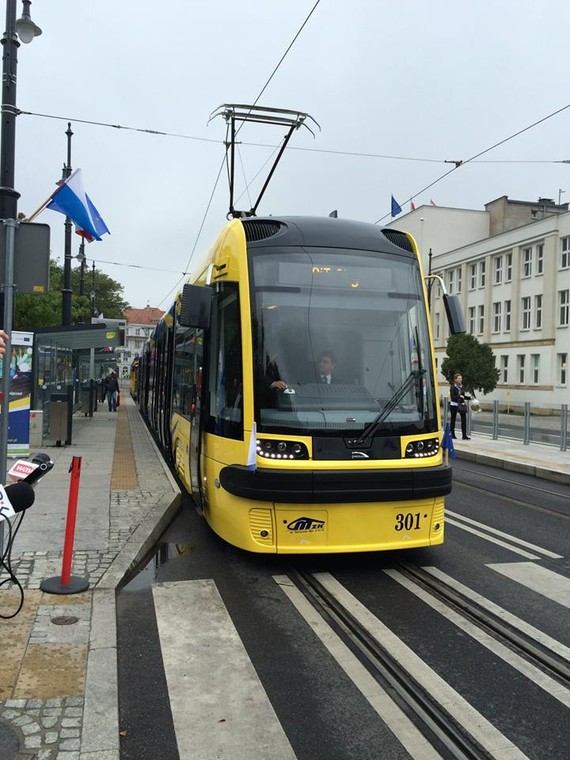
x=458 y=404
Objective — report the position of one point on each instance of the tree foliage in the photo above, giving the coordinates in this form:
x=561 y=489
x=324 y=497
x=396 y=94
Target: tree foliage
x=33 y=311
x=474 y=360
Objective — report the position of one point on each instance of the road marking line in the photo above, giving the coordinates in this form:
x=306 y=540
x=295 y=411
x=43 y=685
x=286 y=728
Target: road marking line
x=480 y=728
x=545 y=682
x=219 y=706
x=392 y=715
x=496 y=541
x=508 y=536
x=508 y=617
x=546 y=582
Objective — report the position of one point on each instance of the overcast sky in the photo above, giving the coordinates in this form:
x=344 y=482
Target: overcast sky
x=412 y=84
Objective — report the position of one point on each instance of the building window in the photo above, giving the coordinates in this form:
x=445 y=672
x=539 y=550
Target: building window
x=538 y=312
x=565 y=252
x=481 y=274
x=563 y=305
x=525 y=313
x=520 y=365
x=437 y=325
x=498 y=270
x=451 y=281
x=527 y=262
x=459 y=280
x=472 y=320
x=507 y=316
x=540 y=258
x=472 y=276
x=497 y=316
x=535 y=367
x=505 y=368
x=562 y=363
x=481 y=319
x=508 y=267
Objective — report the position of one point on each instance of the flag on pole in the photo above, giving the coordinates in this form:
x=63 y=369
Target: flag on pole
x=447 y=443
x=431 y=203
x=396 y=208
x=71 y=199
x=252 y=453
x=412 y=206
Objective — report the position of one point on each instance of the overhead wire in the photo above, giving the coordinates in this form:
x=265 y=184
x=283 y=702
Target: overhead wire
x=254 y=103
x=327 y=151
x=459 y=164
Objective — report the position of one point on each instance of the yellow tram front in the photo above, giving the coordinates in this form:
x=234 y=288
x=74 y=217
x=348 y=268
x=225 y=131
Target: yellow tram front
x=316 y=423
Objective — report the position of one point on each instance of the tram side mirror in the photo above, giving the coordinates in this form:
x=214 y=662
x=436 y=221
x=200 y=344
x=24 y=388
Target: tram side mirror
x=195 y=306
x=454 y=314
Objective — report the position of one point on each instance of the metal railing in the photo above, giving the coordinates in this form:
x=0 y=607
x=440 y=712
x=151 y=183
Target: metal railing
x=525 y=426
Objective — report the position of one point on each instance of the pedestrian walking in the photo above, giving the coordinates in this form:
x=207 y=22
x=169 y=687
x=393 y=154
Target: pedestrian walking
x=111 y=390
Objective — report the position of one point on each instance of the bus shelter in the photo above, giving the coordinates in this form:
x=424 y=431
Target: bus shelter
x=69 y=364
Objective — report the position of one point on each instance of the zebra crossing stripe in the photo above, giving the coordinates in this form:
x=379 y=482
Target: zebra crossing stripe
x=546 y=582
x=219 y=706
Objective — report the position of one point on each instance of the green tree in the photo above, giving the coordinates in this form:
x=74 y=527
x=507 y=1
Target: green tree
x=474 y=360
x=33 y=311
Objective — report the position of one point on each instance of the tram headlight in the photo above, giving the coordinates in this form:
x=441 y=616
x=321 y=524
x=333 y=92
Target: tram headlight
x=428 y=447
x=273 y=449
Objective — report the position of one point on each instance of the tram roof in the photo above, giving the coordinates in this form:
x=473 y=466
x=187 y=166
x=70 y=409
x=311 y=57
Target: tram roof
x=326 y=232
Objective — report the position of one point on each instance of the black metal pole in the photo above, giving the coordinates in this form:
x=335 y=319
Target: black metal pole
x=8 y=195
x=82 y=270
x=429 y=281
x=83 y=263
x=66 y=291
x=93 y=293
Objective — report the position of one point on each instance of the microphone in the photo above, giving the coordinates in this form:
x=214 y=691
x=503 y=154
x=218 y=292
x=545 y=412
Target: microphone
x=21 y=495
x=43 y=465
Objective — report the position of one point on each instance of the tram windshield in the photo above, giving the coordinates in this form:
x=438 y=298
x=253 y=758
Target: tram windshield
x=340 y=343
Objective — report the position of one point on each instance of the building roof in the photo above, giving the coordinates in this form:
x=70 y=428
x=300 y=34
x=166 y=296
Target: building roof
x=150 y=315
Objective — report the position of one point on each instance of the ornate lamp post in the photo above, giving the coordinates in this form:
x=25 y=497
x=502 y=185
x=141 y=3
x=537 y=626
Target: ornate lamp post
x=24 y=29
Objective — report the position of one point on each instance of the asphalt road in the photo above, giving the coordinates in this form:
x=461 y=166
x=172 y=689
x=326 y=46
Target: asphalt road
x=506 y=545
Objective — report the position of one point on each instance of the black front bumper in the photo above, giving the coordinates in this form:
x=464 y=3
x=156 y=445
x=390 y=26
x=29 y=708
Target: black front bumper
x=334 y=486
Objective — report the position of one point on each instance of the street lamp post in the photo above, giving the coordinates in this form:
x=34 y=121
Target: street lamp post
x=66 y=291
x=93 y=293
x=26 y=30
x=82 y=259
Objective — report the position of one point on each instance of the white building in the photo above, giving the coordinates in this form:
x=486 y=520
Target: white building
x=510 y=266
x=140 y=324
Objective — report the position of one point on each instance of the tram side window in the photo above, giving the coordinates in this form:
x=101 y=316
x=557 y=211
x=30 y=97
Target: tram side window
x=225 y=365
x=187 y=370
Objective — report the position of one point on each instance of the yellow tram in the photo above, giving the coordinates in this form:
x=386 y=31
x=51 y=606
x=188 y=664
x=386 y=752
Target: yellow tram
x=278 y=458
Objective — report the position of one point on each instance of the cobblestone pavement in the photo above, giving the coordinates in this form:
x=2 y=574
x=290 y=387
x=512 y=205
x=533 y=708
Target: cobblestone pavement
x=58 y=694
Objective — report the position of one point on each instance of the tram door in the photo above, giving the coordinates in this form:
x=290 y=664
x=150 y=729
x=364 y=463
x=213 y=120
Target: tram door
x=196 y=413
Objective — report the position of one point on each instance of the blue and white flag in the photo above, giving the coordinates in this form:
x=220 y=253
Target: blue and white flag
x=252 y=453
x=71 y=199
x=447 y=441
x=396 y=208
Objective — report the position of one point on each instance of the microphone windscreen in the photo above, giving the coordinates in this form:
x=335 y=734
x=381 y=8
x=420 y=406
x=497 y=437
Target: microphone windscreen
x=40 y=457
x=21 y=495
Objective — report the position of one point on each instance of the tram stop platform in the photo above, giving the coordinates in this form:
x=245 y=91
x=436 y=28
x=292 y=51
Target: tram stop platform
x=58 y=671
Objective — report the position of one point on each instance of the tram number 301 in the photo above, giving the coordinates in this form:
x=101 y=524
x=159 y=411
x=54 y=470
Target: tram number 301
x=408 y=521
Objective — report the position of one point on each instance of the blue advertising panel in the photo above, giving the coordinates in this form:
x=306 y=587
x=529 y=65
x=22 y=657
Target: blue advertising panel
x=20 y=393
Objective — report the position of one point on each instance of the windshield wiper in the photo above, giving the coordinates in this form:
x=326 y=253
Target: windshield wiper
x=412 y=380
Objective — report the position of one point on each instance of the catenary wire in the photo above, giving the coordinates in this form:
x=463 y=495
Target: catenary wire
x=326 y=151
x=459 y=164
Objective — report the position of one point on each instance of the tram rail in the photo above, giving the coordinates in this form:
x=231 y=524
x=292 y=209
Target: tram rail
x=431 y=718
x=440 y=728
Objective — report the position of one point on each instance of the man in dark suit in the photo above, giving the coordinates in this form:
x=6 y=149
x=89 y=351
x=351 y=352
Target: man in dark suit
x=327 y=364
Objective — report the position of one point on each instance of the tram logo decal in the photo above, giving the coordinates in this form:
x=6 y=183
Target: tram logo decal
x=306 y=525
